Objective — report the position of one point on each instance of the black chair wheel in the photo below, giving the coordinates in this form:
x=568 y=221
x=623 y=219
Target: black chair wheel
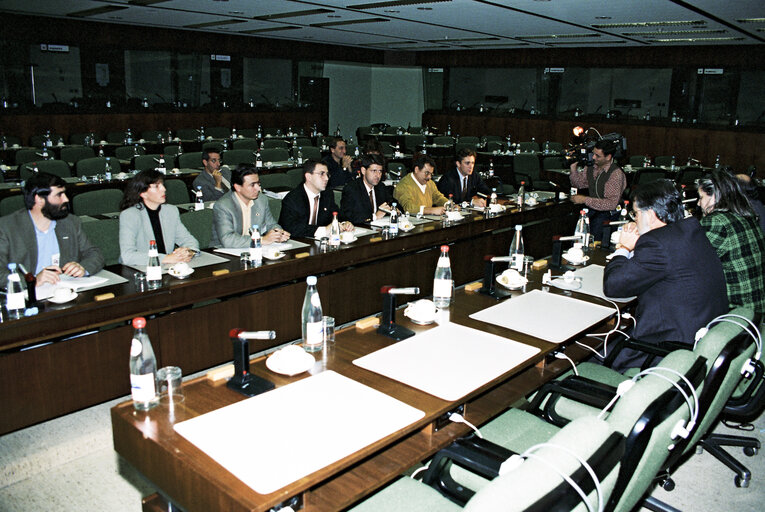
x=750 y=451
x=668 y=484
x=741 y=482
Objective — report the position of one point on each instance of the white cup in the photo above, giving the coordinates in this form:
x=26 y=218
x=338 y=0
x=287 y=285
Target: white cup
x=62 y=294
x=575 y=253
x=423 y=310
x=346 y=236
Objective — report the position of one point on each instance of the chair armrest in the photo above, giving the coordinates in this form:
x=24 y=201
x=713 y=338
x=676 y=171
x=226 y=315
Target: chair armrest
x=580 y=389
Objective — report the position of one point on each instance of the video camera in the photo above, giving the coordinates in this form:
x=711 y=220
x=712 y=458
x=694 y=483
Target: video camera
x=582 y=146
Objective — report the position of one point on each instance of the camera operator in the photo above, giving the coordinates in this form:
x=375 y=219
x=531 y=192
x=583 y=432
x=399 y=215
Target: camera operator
x=605 y=182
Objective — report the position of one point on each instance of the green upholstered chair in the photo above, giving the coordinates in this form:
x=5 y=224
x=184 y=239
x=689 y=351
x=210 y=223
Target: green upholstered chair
x=218 y=132
x=554 y=162
x=413 y=143
x=148 y=162
x=188 y=134
x=81 y=139
x=688 y=175
x=637 y=160
x=414 y=130
x=105 y=234
x=296 y=176
x=24 y=156
x=74 y=154
x=311 y=152
x=399 y=168
x=191 y=160
x=443 y=140
x=128 y=152
x=470 y=139
x=37 y=141
x=529 y=147
x=526 y=168
x=276 y=180
x=248 y=133
x=272 y=155
x=392 y=130
x=97 y=202
x=534 y=484
x=176 y=191
x=212 y=146
x=97 y=165
x=11 y=203
x=275 y=206
x=172 y=150
x=151 y=135
x=57 y=167
x=10 y=140
x=557 y=147
x=250 y=144
x=117 y=137
x=664 y=161
x=271 y=130
x=199 y=223
x=387 y=149
x=276 y=143
x=494 y=145
x=234 y=157
x=303 y=141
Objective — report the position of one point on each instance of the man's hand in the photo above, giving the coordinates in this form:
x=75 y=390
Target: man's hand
x=218 y=177
x=73 y=269
x=629 y=236
x=578 y=199
x=573 y=167
x=379 y=214
x=346 y=226
x=180 y=255
x=479 y=201
x=48 y=275
x=346 y=162
x=276 y=235
x=434 y=210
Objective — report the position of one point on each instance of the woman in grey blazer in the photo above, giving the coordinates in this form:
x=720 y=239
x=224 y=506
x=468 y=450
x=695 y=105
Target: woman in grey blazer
x=146 y=217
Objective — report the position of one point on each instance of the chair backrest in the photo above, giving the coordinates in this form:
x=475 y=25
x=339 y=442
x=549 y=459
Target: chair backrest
x=199 y=223
x=637 y=160
x=648 y=174
x=147 y=162
x=234 y=157
x=392 y=130
x=128 y=152
x=213 y=146
x=37 y=141
x=663 y=161
x=492 y=138
x=274 y=155
x=171 y=150
x=57 y=167
x=24 y=156
x=443 y=140
x=462 y=145
x=191 y=160
x=412 y=143
x=303 y=141
x=105 y=234
x=536 y=484
x=97 y=202
x=116 y=137
x=529 y=147
x=12 y=139
x=554 y=162
x=250 y=144
x=177 y=193
x=151 y=135
x=554 y=146
x=494 y=145
x=218 y=132
x=470 y=139
x=688 y=176
x=11 y=203
x=276 y=143
x=82 y=138
x=526 y=164
x=74 y=154
x=248 y=133
x=96 y=165
x=188 y=134
x=311 y=152
x=296 y=176
x=275 y=180
x=397 y=167
x=275 y=205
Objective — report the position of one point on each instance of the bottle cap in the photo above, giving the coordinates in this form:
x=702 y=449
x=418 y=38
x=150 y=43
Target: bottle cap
x=444 y=248
x=12 y=267
x=518 y=227
x=311 y=280
x=139 y=322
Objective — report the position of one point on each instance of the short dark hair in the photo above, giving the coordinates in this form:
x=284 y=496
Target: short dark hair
x=333 y=142
x=367 y=160
x=420 y=160
x=242 y=170
x=137 y=186
x=206 y=152
x=662 y=197
x=748 y=186
x=39 y=184
x=372 y=146
x=607 y=146
x=309 y=165
x=464 y=153
x=726 y=189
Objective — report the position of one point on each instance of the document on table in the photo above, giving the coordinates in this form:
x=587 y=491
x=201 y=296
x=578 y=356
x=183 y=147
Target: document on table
x=78 y=284
x=296 y=430
x=548 y=316
x=202 y=259
x=289 y=245
x=448 y=361
x=591 y=283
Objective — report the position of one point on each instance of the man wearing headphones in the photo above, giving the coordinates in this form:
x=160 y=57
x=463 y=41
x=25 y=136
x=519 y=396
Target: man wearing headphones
x=44 y=237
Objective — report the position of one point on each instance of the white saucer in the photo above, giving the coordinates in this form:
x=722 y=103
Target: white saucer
x=406 y=229
x=181 y=276
x=64 y=301
x=421 y=322
x=273 y=258
x=577 y=262
x=288 y=361
x=349 y=241
x=506 y=284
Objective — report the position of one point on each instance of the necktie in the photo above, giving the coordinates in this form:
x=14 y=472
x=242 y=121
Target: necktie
x=315 y=212
x=372 y=200
x=464 y=188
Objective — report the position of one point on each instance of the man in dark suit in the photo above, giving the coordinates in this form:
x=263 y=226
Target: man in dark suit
x=338 y=164
x=44 y=237
x=310 y=205
x=461 y=182
x=363 y=196
x=668 y=262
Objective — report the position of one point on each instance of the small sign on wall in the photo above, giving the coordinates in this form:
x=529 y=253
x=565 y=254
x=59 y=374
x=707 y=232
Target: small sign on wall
x=710 y=71
x=61 y=48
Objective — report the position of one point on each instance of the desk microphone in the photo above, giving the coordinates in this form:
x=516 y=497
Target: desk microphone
x=482 y=195
x=488 y=287
x=388 y=325
x=557 y=251
x=243 y=381
x=394 y=173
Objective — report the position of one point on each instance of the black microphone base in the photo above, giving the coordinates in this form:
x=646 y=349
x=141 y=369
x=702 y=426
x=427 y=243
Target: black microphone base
x=395 y=331
x=250 y=385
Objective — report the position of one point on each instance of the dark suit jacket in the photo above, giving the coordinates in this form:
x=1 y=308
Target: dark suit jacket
x=355 y=205
x=337 y=175
x=451 y=183
x=18 y=243
x=678 y=279
x=296 y=212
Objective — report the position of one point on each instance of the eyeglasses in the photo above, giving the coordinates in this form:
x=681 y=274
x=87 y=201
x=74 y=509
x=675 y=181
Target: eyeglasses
x=215 y=160
x=322 y=173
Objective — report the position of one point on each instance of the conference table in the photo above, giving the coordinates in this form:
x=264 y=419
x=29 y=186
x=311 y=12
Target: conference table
x=75 y=355
x=188 y=477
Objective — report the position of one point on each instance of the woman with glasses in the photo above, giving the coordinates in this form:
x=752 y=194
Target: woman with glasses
x=731 y=225
x=146 y=217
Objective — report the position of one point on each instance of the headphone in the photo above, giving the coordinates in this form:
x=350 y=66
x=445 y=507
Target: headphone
x=515 y=461
x=748 y=367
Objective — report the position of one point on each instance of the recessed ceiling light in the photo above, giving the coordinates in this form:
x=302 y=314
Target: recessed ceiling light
x=236 y=12
x=697 y=39
x=751 y=20
x=392 y=11
x=424 y=8
x=602 y=17
x=650 y=24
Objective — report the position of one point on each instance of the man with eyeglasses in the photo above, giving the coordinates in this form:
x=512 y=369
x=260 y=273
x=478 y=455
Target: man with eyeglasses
x=365 y=198
x=417 y=189
x=238 y=209
x=668 y=263
x=214 y=181
x=310 y=206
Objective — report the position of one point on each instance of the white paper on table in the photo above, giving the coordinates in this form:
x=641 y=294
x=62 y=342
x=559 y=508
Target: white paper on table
x=279 y=246
x=97 y=280
x=274 y=439
x=322 y=232
x=548 y=316
x=202 y=259
x=591 y=283
x=448 y=361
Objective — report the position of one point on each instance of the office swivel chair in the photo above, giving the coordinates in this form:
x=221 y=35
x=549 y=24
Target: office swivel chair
x=536 y=484
x=199 y=223
x=97 y=202
x=104 y=234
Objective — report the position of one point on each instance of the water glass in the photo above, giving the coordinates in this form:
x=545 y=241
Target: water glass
x=169 y=385
x=139 y=280
x=328 y=329
x=244 y=261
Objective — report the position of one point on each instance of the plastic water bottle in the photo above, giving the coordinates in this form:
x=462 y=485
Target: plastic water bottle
x=15 y=298
x=233 y=132
x=517 y=252
x=449 y=130
x=393 y=227
x=449 y=204
x=143 y=368
x=258 y=160
x=312 y=317
x=300 y=156
x=101 y=151
x=717 y=162
x=582 y=229
x=334 y=231
x=107 y=170
x=154 y=267
x=201 y=134
x=256 y=247
x=672 y=164
x=521 y=199
x=161 y=165
x=442 y=280
x=128 y=137
x=493 y=196
x=199 y=203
